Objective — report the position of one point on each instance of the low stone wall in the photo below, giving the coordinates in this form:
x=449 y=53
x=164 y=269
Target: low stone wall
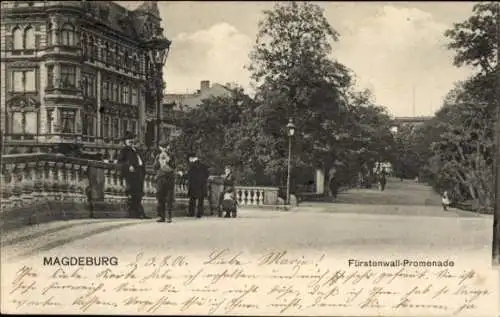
x=52 y=210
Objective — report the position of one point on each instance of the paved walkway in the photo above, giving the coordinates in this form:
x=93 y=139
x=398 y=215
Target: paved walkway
x=363 y=221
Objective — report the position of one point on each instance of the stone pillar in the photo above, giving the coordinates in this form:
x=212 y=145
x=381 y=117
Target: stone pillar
x=99 y=104
x=320 y=181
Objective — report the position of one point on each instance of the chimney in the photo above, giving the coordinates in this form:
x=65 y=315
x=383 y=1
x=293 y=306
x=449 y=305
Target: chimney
x=204 y=85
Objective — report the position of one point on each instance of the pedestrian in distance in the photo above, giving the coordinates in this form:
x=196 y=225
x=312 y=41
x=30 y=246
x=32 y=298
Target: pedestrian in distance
x=382 y=178
x=133 y=171
x=165 y=183
x=445 y=200
x=197 y=185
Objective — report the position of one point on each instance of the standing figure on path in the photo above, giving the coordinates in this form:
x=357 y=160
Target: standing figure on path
x=165 y=183
x=133 y=170
x=445 y=199
x=382 y=178
x=197 y=185
x=332 y=182
x=228 y=187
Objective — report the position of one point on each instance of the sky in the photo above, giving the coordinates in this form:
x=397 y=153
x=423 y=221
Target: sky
x=395 y=49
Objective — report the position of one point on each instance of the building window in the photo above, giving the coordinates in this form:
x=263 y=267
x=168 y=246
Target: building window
x=105 y=90
x=50 y=76
x=133 y=126
x=50 y=121
x=23 y=80
x=134 y=96
x=124 y=126
x=115 y=92
x=83 y=43
x=29 y=38
x=116 y=128
x=126 y=60
x=68 y=35
x=68 y=122
x=105 y=127
x=109 y=57
x=91 y=84
x=125 y=95
x=17 y=34
x=68 y=76
x=88 y=124
x=91 y=49
x=49 y=34
x=117 y=57
x=24 y=122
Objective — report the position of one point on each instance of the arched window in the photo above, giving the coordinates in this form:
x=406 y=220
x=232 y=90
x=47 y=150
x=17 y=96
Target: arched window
x=68 y=35
x=17 y=34
x=29 y=38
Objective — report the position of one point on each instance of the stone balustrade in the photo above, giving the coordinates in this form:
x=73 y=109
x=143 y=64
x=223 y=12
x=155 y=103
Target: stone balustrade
x=256 y=196
x=40 y=187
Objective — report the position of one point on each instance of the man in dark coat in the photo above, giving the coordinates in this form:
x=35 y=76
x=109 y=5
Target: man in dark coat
x=197 y=185
x=133 y=171
x=165 y=182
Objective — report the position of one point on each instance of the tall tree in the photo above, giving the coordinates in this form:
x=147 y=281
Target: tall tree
x=296 y=78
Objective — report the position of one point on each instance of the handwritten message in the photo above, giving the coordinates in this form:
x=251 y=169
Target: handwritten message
x=228 y=282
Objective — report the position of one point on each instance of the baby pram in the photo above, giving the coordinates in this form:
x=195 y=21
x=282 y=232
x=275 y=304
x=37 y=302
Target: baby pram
x=229 y=205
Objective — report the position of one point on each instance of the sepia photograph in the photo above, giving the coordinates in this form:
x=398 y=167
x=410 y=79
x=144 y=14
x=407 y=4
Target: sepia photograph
x=274 y=158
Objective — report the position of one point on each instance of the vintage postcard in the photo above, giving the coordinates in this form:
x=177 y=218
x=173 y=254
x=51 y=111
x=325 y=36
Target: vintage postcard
x=250 y=158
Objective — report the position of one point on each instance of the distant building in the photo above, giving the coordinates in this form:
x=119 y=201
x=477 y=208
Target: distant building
x=173 y=104
x=408 y=121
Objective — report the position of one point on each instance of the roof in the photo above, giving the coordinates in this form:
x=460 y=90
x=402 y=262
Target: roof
x=192 y=100
x=150 y=7
x=114 y=16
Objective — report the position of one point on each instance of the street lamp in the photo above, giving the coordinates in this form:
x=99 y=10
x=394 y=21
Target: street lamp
x=291 y=132
x=158 y=49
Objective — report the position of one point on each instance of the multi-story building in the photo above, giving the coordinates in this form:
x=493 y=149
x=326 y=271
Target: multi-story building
x=75 y=71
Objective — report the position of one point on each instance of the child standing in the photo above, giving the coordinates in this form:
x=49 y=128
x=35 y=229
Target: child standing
x=229 y=204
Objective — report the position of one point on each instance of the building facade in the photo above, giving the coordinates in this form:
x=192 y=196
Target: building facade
x=75 y=71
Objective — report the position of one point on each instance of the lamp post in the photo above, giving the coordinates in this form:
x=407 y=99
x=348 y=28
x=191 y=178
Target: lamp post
x=158 y=49
x=291 y=132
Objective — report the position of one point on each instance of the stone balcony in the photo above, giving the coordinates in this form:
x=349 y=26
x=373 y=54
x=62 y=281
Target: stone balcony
x=40 y=187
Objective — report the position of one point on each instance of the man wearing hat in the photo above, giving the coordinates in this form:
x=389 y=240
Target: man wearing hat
x=197 y=185
x=165 y=182
x=133 y=170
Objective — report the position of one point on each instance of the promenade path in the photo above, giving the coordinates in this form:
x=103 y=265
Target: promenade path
x=406 y=217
